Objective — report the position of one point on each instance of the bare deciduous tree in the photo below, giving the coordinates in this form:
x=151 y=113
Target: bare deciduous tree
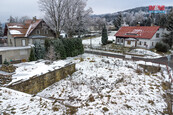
x=64 y=14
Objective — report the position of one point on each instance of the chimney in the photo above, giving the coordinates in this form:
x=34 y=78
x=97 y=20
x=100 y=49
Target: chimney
x=138 y=24
x=34 y=19
x=152 y=24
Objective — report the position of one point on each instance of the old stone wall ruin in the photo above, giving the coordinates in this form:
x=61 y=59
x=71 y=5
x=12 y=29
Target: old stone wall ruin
x=38 y=83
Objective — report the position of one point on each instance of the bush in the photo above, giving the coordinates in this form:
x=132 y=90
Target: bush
x=32 y=55
x=162 y=47
x=6 y=62
x=59 y=49
x=73 y=46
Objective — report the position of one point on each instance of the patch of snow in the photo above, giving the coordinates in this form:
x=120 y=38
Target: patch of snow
x=145 y=53
x=27 y=70
x=15 y=26
x=15 y=32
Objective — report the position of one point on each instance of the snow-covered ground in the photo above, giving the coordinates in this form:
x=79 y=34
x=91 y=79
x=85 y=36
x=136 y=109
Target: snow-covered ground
x=146 y=53
x=96 y=42
x=27 y=70
x=14 y=102
x=101 y=85
x=110 y=86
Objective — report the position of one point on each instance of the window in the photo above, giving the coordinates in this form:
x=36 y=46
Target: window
x=140 y=43
x=122 y=41
x=46 y=32
x=129 y=42
x=157 y=35
x=23 y=43
x=145 y=43
x=37 y=31
x=118 y=40
x=152 y=43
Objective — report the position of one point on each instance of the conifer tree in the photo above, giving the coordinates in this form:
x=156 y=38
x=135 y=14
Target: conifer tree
x=104 y=36
x=32 y=55
x=169 y=37
x=118 y=21
x=59 y=49
x=1 y=30
x=46 y=45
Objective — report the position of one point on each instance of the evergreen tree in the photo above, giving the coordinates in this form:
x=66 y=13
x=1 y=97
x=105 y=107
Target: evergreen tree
x=1 y=30
x=169 y=37
x=32 y=55
x=118 y=21
x=104 y=36
x=46 y=45
x=39 y=51
x=59 y=49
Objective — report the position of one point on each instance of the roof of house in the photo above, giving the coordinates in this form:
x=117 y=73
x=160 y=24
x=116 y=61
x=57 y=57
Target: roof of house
x=23 y=30
x=146 y=32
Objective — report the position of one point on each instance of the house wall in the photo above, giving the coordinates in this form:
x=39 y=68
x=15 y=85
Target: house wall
x=10 y=40
x=152 y=42
x=42 y=27
x=17 y=54
x=18 y=41
x=120 y=41
x=129 y=45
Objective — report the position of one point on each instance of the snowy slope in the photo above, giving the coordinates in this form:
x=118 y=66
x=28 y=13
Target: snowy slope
x=110 y=86
x=14 y=102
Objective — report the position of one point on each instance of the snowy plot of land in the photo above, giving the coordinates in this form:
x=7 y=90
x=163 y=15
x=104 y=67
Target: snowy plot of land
x=147 y=53
x=15 y=32
x=27 y=70
x=110 y=86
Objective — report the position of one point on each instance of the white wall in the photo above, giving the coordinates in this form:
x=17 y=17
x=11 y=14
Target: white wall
x=131 y=45
x=154 y=39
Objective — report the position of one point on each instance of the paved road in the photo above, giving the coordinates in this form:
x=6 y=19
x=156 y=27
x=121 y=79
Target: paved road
x=162 y=60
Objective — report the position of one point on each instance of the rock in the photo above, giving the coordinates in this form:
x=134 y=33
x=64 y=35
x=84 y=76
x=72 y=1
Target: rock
x=8 y=68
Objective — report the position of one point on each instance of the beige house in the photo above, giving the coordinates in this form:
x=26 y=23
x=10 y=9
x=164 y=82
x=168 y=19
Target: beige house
x=31 y=31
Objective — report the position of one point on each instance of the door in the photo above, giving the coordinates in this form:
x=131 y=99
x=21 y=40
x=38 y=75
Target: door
x=0 y=59
x=23 y=43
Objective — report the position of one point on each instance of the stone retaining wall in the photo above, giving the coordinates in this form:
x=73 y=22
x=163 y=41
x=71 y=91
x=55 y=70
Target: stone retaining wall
x=38 y=83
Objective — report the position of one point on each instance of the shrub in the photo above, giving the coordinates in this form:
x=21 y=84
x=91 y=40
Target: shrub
x=162 y=47
x=32 y=55
x=6 y=62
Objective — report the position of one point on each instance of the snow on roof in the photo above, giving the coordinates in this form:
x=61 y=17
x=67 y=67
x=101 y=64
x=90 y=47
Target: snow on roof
x=15 y=26
x=23 y=30
x=13 y=32
x=137 y=31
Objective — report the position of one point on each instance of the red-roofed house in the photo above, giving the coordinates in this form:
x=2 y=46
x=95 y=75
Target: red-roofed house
x=30 y=32
x=140 y=36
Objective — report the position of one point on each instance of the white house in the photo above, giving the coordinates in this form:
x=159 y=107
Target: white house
x=140 y=36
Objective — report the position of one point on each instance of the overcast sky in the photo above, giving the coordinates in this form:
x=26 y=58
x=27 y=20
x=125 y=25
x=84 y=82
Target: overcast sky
x=30 y=7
